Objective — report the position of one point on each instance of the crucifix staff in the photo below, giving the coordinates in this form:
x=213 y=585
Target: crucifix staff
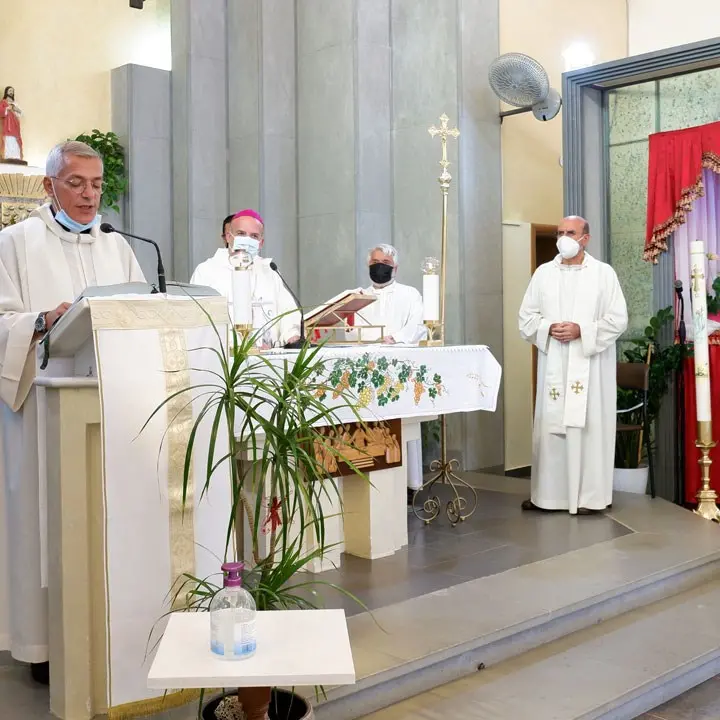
x=445 y=179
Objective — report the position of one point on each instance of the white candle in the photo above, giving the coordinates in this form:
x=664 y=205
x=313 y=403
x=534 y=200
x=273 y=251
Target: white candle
x=241 y=296
x=431 y=298
x=700 y=335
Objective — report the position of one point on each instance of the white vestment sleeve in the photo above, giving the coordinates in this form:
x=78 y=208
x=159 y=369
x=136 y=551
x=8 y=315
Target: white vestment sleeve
x=413 y=330
x=532 y=325
x=286 y=307
x=602 y=333
x=17 y=327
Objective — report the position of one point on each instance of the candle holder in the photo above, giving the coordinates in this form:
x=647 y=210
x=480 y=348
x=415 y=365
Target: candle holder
x=706 y=496
x=434 y=335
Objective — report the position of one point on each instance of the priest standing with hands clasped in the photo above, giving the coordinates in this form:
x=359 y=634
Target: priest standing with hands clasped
x=574 y=312
x=46 y=261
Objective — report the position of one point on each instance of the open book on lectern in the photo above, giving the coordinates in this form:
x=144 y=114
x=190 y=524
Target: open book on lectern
x=337 y=309
x=74 y=329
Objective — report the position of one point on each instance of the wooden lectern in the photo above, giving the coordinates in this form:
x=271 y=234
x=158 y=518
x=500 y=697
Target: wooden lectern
x=117 y=537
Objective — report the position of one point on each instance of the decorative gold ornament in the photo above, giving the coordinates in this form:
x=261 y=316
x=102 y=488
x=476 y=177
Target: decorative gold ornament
x=706 y=496
x=19 y=196
x=577 y=388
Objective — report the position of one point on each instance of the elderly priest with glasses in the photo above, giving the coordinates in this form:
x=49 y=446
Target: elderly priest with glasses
x=46 y=261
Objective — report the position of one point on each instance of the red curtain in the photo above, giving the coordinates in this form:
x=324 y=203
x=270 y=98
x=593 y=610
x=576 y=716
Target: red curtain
x=692 y=454
x=675 y=179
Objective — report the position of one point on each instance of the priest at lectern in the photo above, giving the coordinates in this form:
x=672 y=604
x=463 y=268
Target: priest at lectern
x=270 y=299
x=46 y=261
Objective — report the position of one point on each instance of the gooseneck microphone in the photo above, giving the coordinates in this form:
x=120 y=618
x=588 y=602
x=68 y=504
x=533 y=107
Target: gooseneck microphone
x=682 y=332
x=108 y=228
x=298 y=343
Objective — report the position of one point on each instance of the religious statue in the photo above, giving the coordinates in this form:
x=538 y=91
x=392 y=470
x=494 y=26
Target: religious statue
x=11 y=147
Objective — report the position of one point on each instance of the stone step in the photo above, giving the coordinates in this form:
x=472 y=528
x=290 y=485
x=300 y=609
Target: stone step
x=404 y=650
x=616 y=670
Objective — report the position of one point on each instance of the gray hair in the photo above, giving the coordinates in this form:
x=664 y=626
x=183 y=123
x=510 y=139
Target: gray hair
x=56 y=157
x=385 y=250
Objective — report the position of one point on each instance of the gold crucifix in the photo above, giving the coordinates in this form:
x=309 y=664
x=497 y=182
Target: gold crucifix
x=697 y=276
x=554 y=394
x=444 y=132
x=577 y=388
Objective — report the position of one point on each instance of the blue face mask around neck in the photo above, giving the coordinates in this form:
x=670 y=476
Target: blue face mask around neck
x=73 y=225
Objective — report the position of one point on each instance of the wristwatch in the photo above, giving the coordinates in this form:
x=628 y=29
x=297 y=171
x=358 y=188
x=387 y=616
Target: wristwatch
x=41 y=324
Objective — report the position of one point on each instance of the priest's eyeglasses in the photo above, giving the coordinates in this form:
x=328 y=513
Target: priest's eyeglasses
x=78 y=185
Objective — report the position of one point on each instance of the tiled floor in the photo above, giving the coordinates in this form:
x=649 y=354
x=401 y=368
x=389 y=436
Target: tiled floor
x=499 y=536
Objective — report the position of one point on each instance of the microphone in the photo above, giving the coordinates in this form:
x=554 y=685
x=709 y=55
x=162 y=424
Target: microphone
x=682 y=332
x=108 y=228
x=298 y=343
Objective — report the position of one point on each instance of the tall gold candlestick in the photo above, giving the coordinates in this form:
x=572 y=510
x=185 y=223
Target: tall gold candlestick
x=458 y=508
x=706 y=496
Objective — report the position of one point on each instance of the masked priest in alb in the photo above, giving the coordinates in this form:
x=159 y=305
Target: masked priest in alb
x=274 y=310
x=574 y=311
x=46 y=261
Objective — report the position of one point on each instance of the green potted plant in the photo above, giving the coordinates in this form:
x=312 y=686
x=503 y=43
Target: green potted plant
x=113 y=155
x=270 y=412
x=630 y=456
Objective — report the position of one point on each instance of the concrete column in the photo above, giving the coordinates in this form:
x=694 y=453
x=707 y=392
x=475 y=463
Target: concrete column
x=200 y=130
x=441 y=52
x=141 y=119
x=262 y=122
x=479 y=188
x=373 y=131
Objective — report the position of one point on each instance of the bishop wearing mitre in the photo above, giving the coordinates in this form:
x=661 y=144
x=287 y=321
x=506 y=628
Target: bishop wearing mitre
x=275 y=316
x=574 y=312
x=46 y=261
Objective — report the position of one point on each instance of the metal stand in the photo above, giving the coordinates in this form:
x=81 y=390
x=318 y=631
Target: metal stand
x=458 y=508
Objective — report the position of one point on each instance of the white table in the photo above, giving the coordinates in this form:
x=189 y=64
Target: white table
x=295 y=648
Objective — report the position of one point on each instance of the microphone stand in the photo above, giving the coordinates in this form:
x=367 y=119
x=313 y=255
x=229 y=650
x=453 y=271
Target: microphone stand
x=680 y=404
x=298 y=344
x=108 y=228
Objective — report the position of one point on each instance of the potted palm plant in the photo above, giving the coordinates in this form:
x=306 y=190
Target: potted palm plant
x=270 y=410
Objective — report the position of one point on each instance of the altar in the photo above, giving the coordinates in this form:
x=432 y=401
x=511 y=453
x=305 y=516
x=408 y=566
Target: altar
x=398 y=387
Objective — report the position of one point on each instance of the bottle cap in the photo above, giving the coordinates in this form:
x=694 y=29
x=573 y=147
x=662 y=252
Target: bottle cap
x=232 y=574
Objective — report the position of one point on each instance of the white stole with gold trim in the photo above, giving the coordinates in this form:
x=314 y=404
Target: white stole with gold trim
x=566 y=395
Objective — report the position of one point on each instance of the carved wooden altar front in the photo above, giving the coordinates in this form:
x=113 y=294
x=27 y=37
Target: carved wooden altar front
x=368 y=446
x=19 y=196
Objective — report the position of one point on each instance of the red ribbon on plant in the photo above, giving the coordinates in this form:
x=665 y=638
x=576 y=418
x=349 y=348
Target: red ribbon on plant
x=273 y=519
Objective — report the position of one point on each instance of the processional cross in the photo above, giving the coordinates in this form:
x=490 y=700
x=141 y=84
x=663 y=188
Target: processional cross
x=444 y=132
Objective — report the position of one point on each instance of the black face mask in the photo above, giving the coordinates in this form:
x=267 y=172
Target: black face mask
x=380 y=273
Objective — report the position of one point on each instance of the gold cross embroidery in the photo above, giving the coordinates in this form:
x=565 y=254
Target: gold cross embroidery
x=697 y=276
x=577 y=388
x=554 y=394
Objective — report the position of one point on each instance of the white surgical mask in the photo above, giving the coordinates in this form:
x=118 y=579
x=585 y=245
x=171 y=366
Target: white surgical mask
x=567 y=247
x=249 y=244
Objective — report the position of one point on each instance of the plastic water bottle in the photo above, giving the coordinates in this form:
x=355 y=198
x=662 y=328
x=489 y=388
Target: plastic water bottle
x=232 y=617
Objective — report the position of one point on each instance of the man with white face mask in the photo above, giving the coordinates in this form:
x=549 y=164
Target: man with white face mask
x=573 y=311
x=246 y=231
